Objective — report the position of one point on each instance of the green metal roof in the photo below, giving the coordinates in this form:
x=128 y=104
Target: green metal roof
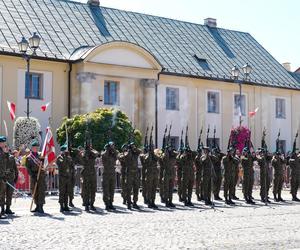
x=182 y=48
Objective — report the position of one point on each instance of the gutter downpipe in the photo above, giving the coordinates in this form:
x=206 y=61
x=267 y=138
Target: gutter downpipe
x=69 y=89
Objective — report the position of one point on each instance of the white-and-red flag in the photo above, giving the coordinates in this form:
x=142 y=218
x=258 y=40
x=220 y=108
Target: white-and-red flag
x=253 y=113
x=45 y=106
x=12 y=110
x=49 y=148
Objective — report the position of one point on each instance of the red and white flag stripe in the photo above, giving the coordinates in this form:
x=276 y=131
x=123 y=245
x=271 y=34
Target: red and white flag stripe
x=48 y=151
x=253 y=113
x=12 y=110
x=45 y=107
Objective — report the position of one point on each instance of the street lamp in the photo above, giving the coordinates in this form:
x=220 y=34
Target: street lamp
x=247 y=69
x=33 y=44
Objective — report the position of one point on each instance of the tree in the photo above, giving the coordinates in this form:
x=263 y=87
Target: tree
x=25 y=131
x=102 y=125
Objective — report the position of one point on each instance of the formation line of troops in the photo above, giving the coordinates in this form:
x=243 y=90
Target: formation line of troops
x=204 y=169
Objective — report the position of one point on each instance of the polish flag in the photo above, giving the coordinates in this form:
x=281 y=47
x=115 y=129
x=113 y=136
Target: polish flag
x=48 y=151
x=253 y=113
x=44 y=107
x=12 y=110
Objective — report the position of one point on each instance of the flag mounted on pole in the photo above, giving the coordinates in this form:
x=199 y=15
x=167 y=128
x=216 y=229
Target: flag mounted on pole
x=45 y=107
x=48 y=151
x=253 y=113
x=12 y=110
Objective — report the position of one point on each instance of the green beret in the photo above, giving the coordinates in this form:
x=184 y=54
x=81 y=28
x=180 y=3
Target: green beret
x=35 y=143
x=2 y=138
x=63 y=147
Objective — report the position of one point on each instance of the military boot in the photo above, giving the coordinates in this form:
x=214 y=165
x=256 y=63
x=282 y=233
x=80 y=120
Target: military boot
x=92 y=207
x=217 y=198
x=275 y=197
x=124 y=201
x=231 y=202
x=8 y=210
x=2 y=213
x=111 y=206
x=41 y=210
x=61 y=208
x=129 y=205
x=135 y=205
x=198 y=197
x=34 y=210
x=71 y=203
x=190 y=204
x=86 y=208
x=107 y=208
x=295 y=198
x=154 y=205
x=66 y=208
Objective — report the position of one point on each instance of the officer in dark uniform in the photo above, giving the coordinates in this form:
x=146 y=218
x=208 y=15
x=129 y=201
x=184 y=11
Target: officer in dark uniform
x=278 y=162
x=34 y=161
x=109 y=158
x=65 y=167
x=217 y=181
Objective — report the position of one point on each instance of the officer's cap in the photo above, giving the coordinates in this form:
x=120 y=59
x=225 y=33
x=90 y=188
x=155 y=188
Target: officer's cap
x=2 y=138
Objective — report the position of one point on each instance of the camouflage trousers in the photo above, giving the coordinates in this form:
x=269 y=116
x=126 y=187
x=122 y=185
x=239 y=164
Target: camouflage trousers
x=65 y=189
x=108 y=186
x=229 y=185
x=278 y=184
x=187 y=186
x=132 y=186
x=151 y=180
x=168 y=182
x=248 y=180
x=89 y=188
x=295 y=184
x=39 y=197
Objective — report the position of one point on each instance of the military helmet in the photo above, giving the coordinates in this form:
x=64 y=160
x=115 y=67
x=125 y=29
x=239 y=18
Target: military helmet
x=35 y=143
x=63 y=147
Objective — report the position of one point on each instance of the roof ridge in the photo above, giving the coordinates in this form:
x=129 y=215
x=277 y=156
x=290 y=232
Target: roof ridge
x=152 y=15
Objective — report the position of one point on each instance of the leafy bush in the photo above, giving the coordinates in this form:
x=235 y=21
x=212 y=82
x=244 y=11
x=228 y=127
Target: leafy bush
x=102 y=125
x=26 y=130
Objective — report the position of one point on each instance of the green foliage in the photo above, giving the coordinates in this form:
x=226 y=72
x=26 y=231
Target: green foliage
x=101 y=126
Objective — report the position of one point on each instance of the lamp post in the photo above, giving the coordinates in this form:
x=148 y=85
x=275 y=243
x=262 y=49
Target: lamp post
x=33 y=44
x=247 y=69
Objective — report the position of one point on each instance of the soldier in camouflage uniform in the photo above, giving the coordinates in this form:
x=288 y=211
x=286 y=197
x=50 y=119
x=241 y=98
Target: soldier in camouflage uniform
x=33 y=162
x=2 y=176
x=278 y=163
x=131 y=173
x=208 y=175
x=151 y=176
x=87 y=159
x=11 y=176
x=199 y=175
x=295 y=175
x=144 y=184
x=65 y=167
x=167 y=162
x=109 y=158
x=122 y=160
x=229 y=162
x=217 y=181
x=263 y=162
x=247 y=163
x=187 y=163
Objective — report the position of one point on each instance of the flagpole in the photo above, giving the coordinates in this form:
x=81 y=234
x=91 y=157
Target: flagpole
x=36 y=183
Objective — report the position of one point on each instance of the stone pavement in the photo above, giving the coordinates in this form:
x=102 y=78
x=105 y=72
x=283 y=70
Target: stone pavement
x=243 y=226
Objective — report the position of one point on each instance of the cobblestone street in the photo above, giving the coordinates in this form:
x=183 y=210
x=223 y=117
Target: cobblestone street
x=240 y=227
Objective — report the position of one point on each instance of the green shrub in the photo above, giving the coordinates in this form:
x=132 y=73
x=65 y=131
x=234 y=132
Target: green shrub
x=103 y=125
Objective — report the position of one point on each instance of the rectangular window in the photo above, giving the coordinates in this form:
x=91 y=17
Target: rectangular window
x=213 y=102
x=210 y=142
x=174 y=142
x=237 y=102
x=172 y=98
x=280 y=108
x=34 y=87
x=111 y=93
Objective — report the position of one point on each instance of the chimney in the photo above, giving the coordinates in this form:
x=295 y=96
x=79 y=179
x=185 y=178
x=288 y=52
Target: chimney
x=287 y=66
x=210 y=22
x=93 y=2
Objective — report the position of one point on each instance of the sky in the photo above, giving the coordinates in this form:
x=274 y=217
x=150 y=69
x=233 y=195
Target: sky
x=275 y=24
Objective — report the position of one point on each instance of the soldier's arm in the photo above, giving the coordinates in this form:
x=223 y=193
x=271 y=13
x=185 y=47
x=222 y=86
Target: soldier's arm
x=15 y=169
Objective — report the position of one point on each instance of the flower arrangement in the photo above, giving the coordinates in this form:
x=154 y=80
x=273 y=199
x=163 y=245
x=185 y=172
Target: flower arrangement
x=26 y=130
x=240 y=137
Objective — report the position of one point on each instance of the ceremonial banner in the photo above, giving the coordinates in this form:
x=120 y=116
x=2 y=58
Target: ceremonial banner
x=12 y=110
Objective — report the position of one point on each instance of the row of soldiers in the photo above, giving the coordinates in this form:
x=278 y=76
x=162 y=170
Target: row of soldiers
x=160 y=168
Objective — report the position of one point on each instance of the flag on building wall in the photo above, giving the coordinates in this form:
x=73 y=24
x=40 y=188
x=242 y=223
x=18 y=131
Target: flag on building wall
x=12 y=110
x=48 y=151
x=253 y=113
x=45 y=107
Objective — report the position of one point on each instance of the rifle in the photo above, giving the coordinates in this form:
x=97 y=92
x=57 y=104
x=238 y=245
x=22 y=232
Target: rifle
x=181 y=142
x=187 y=145
x=87 y=133
x=146 y=145
x=277 y=141
x=169 y=136
x=295 y=144
x=151 y=145
x=263 y=140
x=207 y=135
x=199 y=149
x=164 y=138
